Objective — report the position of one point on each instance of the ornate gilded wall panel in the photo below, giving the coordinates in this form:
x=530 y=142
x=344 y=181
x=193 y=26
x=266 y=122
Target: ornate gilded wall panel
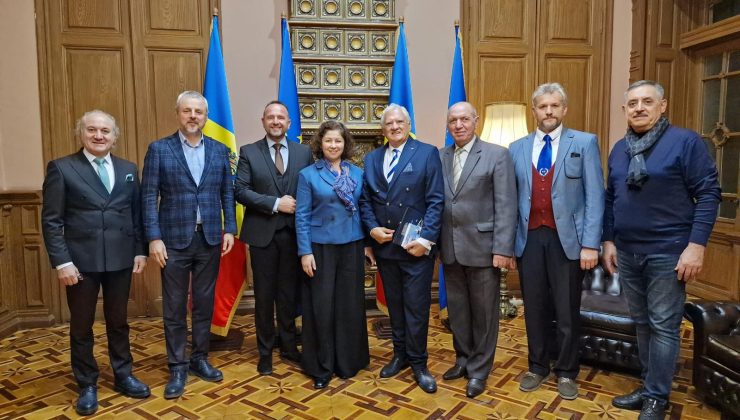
x=343 y=52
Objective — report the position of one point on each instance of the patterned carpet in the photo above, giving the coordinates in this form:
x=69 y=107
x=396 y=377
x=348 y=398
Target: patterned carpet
x=36 y=383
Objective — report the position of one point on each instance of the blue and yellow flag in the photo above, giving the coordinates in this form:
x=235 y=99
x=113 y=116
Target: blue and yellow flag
x=287 y=90
x=457 y=94
x=220 y=127
x=401 y=79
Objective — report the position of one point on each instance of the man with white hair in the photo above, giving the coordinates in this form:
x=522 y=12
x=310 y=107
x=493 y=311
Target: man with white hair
x=403 y=186
x=91 y=220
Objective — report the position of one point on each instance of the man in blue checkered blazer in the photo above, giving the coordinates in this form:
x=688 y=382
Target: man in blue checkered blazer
x=191 y=176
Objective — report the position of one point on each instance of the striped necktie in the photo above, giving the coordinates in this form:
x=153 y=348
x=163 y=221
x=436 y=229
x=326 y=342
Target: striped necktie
x=392 y=166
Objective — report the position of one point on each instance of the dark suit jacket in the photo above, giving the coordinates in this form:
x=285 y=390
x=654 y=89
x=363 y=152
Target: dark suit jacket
x=480 y=214
x=167 y=177
x=416 y=190
x=84 y=224
x=257 y=188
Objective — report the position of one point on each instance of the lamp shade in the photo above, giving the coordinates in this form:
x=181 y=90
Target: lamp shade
x=504 y=122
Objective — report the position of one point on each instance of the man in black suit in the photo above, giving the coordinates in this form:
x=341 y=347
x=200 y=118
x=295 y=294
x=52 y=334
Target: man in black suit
x=92 y=229
x=266 y=182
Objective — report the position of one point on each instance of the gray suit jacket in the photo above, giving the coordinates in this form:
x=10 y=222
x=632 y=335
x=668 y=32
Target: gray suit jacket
x=479 y=218
x=577 y=191
x=257 y=188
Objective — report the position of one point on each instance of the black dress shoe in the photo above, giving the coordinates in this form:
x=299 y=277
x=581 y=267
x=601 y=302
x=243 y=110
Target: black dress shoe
x=202 y=369
x=132 y=387
x=321 y=383
x=176 y=385
x=652 y=409
x=393 y=367
x=631 y=401
x=293 y=356
x=87 y=402
x=264 y=366
x=425 y=380
x=455 y=372
x=475 y=387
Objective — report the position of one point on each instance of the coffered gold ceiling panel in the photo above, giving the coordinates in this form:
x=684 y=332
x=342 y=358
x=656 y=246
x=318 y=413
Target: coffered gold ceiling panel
x=343 y=52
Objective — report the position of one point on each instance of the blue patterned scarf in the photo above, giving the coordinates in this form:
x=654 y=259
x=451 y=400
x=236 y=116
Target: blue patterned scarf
x=344 y=185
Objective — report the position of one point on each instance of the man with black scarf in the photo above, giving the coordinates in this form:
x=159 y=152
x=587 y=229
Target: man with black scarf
x=661 y=203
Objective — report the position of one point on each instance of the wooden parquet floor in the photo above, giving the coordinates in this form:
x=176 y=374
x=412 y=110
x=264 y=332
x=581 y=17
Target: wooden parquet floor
x=36 y=383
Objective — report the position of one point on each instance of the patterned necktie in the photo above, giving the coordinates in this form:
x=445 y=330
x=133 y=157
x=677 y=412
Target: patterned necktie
x=545 y=161
x=279 y=159
x=102 y=172
x=457 y=167
x=392 y=166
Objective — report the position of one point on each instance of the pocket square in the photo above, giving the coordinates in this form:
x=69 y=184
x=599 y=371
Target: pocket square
x=408 y=168
x=129 y=177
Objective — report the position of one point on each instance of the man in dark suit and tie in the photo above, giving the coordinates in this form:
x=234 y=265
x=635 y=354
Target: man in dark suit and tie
x=190 y=174
x=561 y=206
x=477 y=240
x=403 y=183
x=91 y=221
x=266 y=183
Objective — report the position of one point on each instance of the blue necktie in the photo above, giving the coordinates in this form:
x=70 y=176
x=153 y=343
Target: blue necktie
x=392 y=166
x=103 y=173
x=545 y=161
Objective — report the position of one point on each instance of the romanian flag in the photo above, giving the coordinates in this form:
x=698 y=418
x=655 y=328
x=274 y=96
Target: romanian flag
x=457 y=94
x=400 y=95
x=287 y=90
x=230 y=283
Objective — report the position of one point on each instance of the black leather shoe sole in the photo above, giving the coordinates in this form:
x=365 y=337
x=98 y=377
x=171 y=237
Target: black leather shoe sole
x=635 y=404
x=174 y=394
x=86 y=411
x=133 y=394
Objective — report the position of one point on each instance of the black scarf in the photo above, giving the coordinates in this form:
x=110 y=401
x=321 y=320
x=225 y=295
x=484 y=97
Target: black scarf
x=637 y=173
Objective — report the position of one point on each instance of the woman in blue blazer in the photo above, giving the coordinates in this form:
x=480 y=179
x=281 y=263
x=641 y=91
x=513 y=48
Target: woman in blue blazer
x=330 y=244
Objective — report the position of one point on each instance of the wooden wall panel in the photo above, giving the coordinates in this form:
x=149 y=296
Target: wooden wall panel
x=171 y=73
x=573 y=73
x=27 y=295
x=175 y=16
x=513 y=70
x=103 y=15
x=505 y=19
x=569 y=21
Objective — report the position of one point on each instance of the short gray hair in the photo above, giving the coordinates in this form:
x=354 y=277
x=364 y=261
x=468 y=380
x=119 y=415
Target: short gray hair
x=550 y=88
x=658 y=87
x=395 y=107
x=82 y=123
x=190 y=94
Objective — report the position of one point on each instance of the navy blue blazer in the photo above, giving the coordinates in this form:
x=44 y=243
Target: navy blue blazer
x=320 y=216
x=416 y=191
x=167 y=177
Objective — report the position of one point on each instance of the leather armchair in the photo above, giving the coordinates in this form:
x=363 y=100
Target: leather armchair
x=608 y=334
x=716 y=375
